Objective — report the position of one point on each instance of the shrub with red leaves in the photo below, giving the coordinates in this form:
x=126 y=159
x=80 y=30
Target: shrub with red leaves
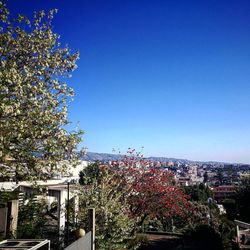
x=151 y=191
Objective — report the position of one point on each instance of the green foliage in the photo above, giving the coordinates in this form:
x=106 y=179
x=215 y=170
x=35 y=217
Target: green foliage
x=237 y=208
x=243 y=202
x=90 y=174
x=34 y=98
x=227 y=231
x=199 y=193
x=154 y=224
x=231 y=209
x=205 y=176
x=138 y=240
x=7 y=196
x=207 y=238
x=199 y=216
x=32 y=219
x=205 y=222
x=113 y=225
x=220 y=176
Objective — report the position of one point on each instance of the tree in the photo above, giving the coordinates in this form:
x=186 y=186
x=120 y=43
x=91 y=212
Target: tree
x=205 y=177
x=154 y=195
x=151 y=190
x=199 y=193
x=124 y=194
x=90 y=174
x=34 y=98
x=220 y=176
x=243 y=202
x=32 y=218
x=103 y=188
x=230 y=205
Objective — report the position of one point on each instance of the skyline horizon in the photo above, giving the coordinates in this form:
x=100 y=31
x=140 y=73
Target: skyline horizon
x=176 y=158
x=172 y=76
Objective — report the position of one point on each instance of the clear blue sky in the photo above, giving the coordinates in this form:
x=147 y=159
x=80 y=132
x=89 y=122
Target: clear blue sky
x=172 y=76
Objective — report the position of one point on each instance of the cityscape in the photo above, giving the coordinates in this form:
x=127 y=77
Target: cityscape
x=83 y=84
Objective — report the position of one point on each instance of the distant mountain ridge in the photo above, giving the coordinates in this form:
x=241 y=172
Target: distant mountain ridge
x=105 y=157
x=91 y=156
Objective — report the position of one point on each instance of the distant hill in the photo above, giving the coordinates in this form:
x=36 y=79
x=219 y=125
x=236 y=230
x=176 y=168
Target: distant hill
x=166 y=159
x=91 y=156
x=104 y=157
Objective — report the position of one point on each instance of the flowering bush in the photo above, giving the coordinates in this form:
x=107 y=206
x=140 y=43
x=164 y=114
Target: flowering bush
x=125 y=193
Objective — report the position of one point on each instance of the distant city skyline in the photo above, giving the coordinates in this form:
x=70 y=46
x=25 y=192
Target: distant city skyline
x=100 y=156
x=172 y=76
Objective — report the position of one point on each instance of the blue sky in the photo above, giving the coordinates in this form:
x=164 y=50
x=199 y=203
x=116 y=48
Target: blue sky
x=172 y=76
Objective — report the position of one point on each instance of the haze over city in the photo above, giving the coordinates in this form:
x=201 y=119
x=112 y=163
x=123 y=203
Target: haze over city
x=172 y=76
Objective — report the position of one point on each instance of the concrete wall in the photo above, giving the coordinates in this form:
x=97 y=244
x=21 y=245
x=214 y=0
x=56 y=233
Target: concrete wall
x=14 y=216
x=83 y=243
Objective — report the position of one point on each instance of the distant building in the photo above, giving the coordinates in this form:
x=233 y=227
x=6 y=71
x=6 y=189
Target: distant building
x=184 y=181
x=170 y=164
x=245 y=176
x=224 y=192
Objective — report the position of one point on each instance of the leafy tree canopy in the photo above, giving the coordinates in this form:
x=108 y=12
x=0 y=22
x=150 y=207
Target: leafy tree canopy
x=34 y=97
x=125 y=193
x=106 y=192
x=199 y=193
x=243 y=202
x=90 y=174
